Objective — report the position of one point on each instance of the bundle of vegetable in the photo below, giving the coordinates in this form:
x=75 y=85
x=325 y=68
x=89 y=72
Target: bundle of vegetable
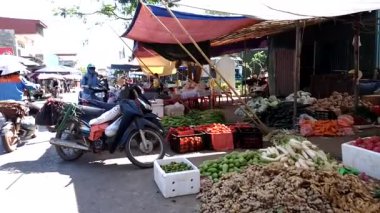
x=194 y=118
x=175 y=167
x=273 y=188
x=298 y=153
x=233 y=162
x=258 y=105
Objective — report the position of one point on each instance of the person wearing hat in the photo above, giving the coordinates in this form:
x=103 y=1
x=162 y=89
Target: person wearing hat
x=13 y=84
x=90 y=79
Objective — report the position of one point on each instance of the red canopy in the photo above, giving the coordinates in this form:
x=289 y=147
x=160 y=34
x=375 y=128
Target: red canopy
x=146 y=28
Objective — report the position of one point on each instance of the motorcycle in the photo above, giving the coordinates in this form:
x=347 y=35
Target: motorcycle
x=100 y=92
x=18 y=126
x=135 y=133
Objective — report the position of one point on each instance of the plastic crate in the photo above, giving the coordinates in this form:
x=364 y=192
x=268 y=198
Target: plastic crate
x=325 y=115
x=248 y=140
x=177 y=183
x=362 y=159
x=178 y=145
x=222 y=142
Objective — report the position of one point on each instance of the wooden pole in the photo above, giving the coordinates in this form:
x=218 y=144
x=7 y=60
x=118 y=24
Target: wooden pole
x=356 y=60
x=296 y=71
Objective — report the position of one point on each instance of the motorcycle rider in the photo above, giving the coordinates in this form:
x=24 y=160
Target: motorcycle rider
x=14 y=84
x=90 y=79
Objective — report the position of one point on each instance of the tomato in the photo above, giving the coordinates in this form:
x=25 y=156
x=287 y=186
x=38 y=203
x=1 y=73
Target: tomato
x=377 y=149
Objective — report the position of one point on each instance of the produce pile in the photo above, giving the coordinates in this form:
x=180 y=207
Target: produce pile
x=189 y=144
x=281 y=117
x=217 y=128
x=233 y=162
x=342 y=126
x=370 y=143
x=194 y=118
x=176 y=167
x=302 y=97
x=336 y=102
x=274 y=188
x=258 y=105
x=289 y=150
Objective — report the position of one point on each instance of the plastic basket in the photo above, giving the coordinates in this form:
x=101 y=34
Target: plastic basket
x=325 y=115
x=179 y=143
x=222 y=142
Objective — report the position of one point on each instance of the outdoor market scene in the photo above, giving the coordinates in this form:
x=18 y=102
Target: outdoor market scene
x=240 y=106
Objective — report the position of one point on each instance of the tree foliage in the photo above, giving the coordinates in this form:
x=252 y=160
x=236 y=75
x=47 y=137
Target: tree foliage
x=118 y=9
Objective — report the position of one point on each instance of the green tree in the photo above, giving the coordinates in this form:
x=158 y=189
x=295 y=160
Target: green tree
x=118 y=9
x=259 y=61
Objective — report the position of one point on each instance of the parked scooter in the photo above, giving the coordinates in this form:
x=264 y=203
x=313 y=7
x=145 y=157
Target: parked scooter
x=18 y=126
x=141 y=139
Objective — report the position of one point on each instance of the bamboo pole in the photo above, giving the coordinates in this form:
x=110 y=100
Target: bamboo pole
x=125 y=43
x=250 y=112
x=296 y=71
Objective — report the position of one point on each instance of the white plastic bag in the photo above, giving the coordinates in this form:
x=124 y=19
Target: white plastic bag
x=107 y=116
x=111 y=130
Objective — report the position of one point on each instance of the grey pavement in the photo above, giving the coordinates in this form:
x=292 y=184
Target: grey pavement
x=34 y=179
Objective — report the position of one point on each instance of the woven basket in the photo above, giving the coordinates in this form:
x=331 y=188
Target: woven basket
x=12 y=110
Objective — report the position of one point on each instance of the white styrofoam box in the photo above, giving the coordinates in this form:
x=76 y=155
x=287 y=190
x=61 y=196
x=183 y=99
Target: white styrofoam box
x=176 y=183
x=362 y=159
x=158 y=109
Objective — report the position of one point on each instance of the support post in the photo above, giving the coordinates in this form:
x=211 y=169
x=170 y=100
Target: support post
x=356 y=61
x=296 y=71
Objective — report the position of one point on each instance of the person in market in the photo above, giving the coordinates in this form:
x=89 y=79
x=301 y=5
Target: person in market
x=15 y=84
x=90 y=79
x=156 y=83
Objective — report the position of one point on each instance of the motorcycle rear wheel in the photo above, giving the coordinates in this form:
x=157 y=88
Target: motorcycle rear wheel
x=135 y=137
x=67 y=154
x=9 y=137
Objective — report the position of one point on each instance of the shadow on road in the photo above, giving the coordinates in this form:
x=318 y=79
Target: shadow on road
x=101 y=184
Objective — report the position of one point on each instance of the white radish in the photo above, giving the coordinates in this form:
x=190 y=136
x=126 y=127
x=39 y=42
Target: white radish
x=322 y=155
x=303 y=164
x=275 y=150
x=295 y=144
x=284 y=159
x=290 y=150
x=282 y=149
x=311 y=153
x=286 y=165
x=309 y=144
x=310 y=163
x=304 y=154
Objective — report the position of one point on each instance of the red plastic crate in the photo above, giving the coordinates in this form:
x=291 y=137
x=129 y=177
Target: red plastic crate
x=222 y=142
x=179 y=145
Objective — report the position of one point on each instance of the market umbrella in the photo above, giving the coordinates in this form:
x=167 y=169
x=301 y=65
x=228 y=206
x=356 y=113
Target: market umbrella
x=58 y=69
x=46 y=76
x=17 y=59
x=72 y=77
x=8 y=67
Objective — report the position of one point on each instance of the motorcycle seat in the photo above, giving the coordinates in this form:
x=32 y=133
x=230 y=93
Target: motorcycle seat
x=89 y=112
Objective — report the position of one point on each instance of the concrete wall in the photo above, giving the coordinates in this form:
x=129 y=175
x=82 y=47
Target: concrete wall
x=7 y=39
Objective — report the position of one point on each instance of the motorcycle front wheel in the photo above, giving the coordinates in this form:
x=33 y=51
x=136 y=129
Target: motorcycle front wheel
x=140 y=155
x=68 y=154
x=9 y=137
